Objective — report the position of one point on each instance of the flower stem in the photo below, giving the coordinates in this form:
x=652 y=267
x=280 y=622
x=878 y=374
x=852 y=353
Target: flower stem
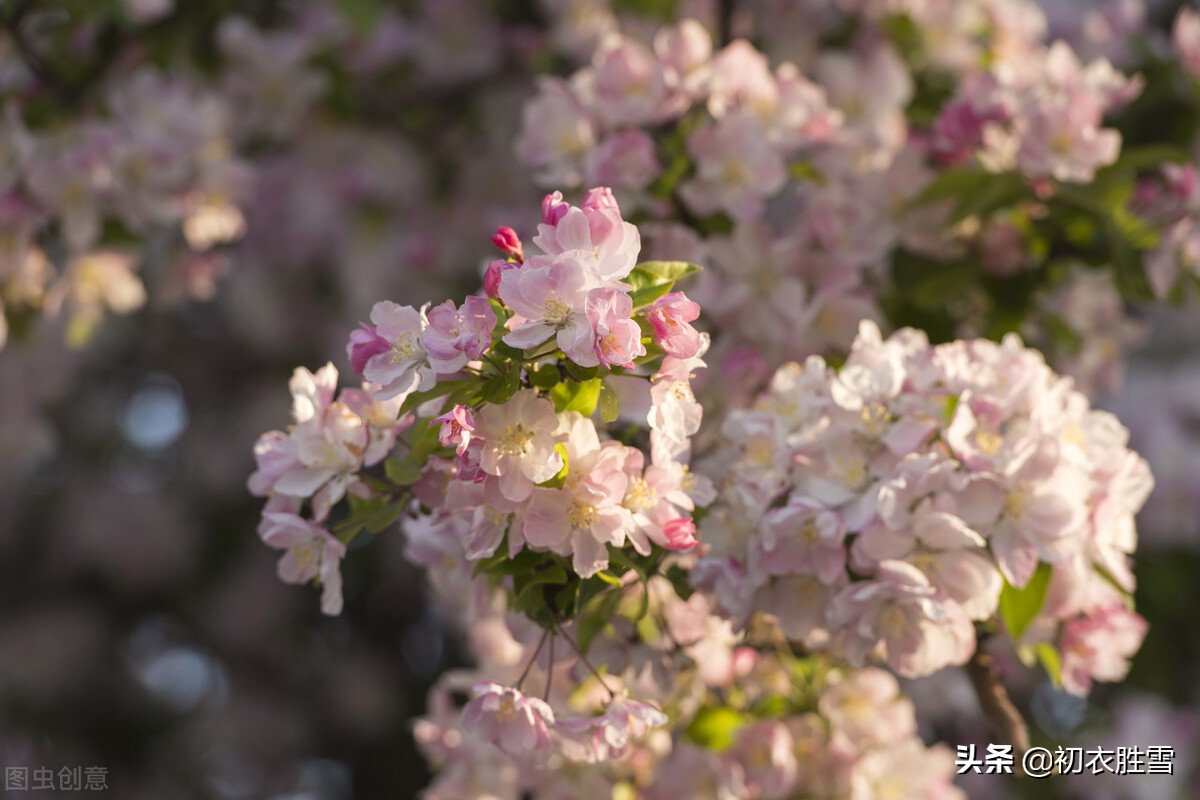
x=549 y=669
x=584 y=659
x=536 y=653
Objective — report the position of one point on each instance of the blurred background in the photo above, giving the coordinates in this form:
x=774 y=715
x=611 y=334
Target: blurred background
x=308 y=159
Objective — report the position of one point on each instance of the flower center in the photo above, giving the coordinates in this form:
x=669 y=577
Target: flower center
x=515 y=441
x=305 y=556
x=988 y=442
x=582 y=515
x=874 y=416
x=809 y=533
x=639 y=496
x=404 y=348
x=507 y=710
x=555 y=310
x=1016 y=502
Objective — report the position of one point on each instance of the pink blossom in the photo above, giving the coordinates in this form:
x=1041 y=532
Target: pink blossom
x=587 y=513
x=556 y=133
x=312 y=552
x=626 y=160
x=866 y=708
x=737 y=168
x=803 y=538
x=457 y=425
x=1062 y=139
x=627 y=83
x=517 y=724
x=766 y=751
x=1099 y=646
x=685 y=52
x=610 y=735
x=741 y=82
x=456 y=336
x=959 y=129
x=669 y=316
x=519 y=443
x=905 y=769
x=391 y=353
x=601 y=239
x=550 y=295
x=919 y=628
x=618 y=337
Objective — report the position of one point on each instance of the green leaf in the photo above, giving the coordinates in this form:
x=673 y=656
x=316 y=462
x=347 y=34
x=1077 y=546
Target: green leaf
x=402 y=471
x=528 y=592
x=610 y=404
x=385 y=516
x=581 y=373
x=951 y=183
x=999 y=191
x=715 y=728
x=1018 y=607
x=545 y=376
x=573 y=396
x=678 y=577
x=652 y=279
x=1051 y=661
x=420 y=398
x=499 y=389
x=424 y=443
x=361 y=14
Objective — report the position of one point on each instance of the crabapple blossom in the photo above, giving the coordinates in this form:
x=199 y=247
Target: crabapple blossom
x=941 y=476
x=513 y=722
x=519 y=443
x=618 y=337
x=737 y=168
x=391 y=352
x=669 y=316
x=458 y=335
x=1099 y=646
x=311 y=552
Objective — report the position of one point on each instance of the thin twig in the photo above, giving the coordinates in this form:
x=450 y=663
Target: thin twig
x=1006 y=722
x=549 y=671
x=587 y=663
x=725 y=21
x=536 y=653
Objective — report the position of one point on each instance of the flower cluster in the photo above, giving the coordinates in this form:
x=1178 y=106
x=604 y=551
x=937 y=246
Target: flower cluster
x=752 y=121
x=1044 y=120
x=510 y=484
x=882 y=508
x=797 y=728
x=158 y=157
x=334 y=436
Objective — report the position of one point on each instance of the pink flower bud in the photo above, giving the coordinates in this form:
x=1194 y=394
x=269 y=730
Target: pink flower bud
x=681 y=534
x=554 y=208
x=507 y=241
x=598 y=199
x=491 y=277
x=669 y=317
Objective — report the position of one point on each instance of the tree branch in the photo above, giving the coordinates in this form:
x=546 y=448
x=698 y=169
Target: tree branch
x=1006 y=722
x=725 y=21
